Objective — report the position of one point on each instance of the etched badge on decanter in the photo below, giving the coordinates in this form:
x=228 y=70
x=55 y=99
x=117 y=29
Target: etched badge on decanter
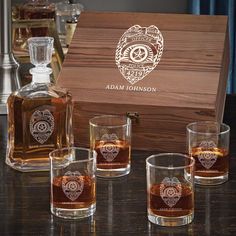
x=40 y=114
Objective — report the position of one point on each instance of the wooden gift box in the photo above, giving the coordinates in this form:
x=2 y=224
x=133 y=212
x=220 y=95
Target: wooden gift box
x=187 y=85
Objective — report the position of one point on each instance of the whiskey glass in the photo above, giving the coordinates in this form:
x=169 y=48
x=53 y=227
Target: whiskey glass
x=170 y=189
x=110 y=137
x=208 y=144
x=73 y=182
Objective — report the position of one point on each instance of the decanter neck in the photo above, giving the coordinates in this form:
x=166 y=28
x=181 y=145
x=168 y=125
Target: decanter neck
x=41 y=75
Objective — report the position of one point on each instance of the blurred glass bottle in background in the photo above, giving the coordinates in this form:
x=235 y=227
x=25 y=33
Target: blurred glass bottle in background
x=22 y=14
x=34 y=18
x=67 y=14
x=37 y=9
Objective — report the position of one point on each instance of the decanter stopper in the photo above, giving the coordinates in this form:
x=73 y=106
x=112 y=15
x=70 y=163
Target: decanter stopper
x=40 y=50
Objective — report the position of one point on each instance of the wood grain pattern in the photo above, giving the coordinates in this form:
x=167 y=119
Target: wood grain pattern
x=121 y=202
x=185 y=22
x=190 y=80
x=161 y=129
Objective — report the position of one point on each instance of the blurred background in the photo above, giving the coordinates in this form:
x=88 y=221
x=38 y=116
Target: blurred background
x=179 y=6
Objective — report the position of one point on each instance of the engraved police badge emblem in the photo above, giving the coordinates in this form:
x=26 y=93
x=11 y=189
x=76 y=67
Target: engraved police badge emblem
x=138 y=52
x=207 y=157
x=109 y=148
x=41 y=125
x=72 y=185
x=170 y=191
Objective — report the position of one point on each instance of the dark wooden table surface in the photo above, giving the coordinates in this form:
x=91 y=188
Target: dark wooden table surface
x=121 y=203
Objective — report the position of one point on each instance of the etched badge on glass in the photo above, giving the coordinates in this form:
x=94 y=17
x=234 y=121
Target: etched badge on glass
x=109 y=149
x=170 y=191
x=138 y=52
x=41 y=125
x=72 y=185
x=207 y=157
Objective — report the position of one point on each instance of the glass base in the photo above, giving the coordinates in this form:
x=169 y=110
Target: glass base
x=73 y=213
x=170 y=221
x=112 y=173
x=211 y=180
x=28 y=167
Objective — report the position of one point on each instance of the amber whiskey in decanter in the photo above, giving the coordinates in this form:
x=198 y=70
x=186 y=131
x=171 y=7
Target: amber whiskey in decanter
x=39 y=114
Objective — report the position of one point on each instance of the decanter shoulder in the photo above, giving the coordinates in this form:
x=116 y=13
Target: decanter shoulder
x=38 y=90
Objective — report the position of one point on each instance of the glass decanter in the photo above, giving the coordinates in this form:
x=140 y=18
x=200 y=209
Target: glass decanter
x=39 y=114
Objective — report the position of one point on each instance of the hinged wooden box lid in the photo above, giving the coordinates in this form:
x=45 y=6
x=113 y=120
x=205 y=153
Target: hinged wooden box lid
x=165 y=70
